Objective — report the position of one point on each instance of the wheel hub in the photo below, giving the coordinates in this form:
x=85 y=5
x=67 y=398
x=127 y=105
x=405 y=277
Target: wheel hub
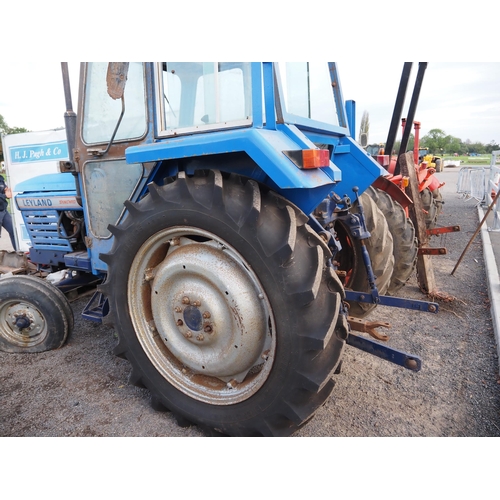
x=201 y=315
x=22 y=321
x=23 y=325
x=208 y=311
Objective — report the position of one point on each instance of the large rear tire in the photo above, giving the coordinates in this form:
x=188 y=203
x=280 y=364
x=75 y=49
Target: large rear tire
x=227 y=312
x=380 y=249
x=405 y=243
x=35 y=316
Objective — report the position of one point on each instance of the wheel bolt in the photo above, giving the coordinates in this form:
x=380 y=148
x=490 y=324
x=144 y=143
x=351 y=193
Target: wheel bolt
x=197 y=303
x=206 y=315
x=188 y=335
x=185 y=300
x=149 y=274
x=200 y=337
x=178 y=309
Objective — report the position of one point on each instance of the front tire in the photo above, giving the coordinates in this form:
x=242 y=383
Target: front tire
x=229 y=314
x=35 y=316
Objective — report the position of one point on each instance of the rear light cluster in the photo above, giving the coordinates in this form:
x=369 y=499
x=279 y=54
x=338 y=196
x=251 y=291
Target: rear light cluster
x=309 y=158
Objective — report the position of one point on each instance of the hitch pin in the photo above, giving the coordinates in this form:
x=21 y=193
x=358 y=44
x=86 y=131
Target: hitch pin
x=360 y=325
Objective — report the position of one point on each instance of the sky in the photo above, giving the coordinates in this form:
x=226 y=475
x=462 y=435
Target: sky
x=462 y=99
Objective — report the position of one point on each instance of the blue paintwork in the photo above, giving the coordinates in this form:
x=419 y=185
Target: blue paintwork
x=47 y=182
x=265 y=147
x=388 y=300
x=42 y=229
x=264 y=143
x=400 y=358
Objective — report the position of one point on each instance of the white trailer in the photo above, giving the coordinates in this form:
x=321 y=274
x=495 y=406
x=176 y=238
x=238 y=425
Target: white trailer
x=28 y=155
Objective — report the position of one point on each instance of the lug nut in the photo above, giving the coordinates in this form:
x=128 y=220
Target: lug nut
x=178 y=309
x=232 y=384
x=206 y=315
x=149 y=274
x=197 y=303
x=185 y=300
x=200 y=337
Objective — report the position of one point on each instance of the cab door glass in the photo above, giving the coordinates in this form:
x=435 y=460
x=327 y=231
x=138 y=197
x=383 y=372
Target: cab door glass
x=101 y=113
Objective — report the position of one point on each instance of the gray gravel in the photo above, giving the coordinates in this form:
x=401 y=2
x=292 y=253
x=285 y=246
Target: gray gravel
x=82 y=389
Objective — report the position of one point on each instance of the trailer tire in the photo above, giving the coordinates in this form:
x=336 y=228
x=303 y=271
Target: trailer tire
x=439 y=165
x=229 y=313
x=430 y=208
x=438 y=201
x=380 y=248
x=405 y=243
x=35 y=316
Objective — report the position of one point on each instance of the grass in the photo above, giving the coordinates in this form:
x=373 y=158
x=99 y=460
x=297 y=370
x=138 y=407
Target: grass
x=471 y=160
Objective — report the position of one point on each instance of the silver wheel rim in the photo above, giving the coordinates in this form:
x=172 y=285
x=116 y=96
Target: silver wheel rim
x=201 y=315
x=22 y=324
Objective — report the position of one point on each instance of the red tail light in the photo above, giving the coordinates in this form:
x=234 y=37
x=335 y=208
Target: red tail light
x=309 y=158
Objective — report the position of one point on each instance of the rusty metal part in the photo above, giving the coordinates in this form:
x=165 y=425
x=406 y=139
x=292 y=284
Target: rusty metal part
x=13 y=262
x=440 y=230
x=361 y=325
x=397 y=193
x=432 y=251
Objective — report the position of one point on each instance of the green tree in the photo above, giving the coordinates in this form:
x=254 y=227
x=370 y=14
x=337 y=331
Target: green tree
x=5 y=129
x=436 y=140
x=492 y=146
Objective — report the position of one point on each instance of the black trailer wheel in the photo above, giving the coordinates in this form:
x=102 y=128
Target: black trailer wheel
x=438 y=201
x=430 y=207
x=380 y=249
x=34 y=315
x=405 y=243
x=228 y=313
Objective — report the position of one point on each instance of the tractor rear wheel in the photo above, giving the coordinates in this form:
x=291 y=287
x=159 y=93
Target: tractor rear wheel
x=380 y=249
x=228 y=313
x=405 y=244
x=35 y=316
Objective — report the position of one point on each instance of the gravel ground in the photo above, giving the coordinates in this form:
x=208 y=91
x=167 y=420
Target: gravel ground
x=82 y=389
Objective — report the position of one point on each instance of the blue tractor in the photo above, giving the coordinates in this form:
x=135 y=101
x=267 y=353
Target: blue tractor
x=213 y=202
